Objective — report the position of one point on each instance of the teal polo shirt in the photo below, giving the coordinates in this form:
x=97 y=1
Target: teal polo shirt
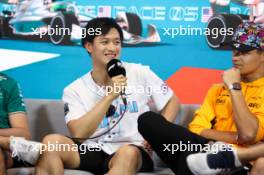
x=10 y=100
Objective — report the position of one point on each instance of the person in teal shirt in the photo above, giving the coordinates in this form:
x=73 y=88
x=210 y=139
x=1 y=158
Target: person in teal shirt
x=13 y=120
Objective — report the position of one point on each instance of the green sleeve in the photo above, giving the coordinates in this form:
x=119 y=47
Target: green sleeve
x=14 y=98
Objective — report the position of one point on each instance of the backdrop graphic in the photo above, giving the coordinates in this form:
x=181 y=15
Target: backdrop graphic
x=184 y=61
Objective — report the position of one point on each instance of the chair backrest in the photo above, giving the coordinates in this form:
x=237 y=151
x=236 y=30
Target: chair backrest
x=45 y=117
x=186 y=114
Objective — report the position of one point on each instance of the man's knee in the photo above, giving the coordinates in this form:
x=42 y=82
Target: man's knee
x=128 y=153
x=259 y=164
x=51 y=144
x=146 y=120
x=53 y=138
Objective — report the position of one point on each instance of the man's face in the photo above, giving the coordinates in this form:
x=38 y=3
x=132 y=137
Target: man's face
x=105 y=47
x=248 y=62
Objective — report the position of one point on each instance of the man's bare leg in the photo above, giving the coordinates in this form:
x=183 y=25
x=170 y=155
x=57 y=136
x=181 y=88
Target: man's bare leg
x=251 y=153
x=2 y=163
x=258 y=167
x=127 y=160
x=53 y=162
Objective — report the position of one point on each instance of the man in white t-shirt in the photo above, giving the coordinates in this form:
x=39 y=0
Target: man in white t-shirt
x=103 y=126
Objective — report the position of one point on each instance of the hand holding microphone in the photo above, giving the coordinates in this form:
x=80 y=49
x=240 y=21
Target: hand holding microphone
x=118 y=84
x=117 y=73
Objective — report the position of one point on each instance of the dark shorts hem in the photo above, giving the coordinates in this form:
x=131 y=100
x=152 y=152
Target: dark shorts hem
x=97 y=162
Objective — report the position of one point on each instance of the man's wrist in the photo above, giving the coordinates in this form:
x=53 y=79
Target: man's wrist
x=110 y=98
x=234 y=86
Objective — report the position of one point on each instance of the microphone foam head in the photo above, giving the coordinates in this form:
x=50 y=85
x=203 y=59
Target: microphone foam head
x=115 y=67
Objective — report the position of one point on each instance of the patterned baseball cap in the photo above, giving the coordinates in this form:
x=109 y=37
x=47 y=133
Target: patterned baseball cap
x=248 y=36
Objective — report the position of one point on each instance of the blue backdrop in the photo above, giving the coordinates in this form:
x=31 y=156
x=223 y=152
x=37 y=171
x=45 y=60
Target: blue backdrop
x=46 y=79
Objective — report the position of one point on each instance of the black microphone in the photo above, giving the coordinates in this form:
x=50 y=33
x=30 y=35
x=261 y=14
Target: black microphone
x=111 y=111
x=114 y=68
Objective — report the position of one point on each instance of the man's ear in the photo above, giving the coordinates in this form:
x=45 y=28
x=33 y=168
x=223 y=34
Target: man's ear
x=88 y=46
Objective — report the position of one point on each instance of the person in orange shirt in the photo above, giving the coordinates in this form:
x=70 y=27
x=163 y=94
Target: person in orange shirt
x=232 y=112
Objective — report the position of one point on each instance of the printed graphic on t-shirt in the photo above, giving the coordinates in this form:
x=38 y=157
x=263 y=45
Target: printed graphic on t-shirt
x=132 y=107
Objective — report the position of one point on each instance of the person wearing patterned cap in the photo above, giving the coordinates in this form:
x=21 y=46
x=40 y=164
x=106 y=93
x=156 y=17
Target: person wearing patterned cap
x=248 y=58
x=231 y=116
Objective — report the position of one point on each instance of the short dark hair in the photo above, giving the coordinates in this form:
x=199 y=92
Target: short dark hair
x=105 y=24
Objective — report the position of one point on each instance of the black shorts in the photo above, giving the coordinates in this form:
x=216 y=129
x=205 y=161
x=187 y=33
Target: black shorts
x=97 y=162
